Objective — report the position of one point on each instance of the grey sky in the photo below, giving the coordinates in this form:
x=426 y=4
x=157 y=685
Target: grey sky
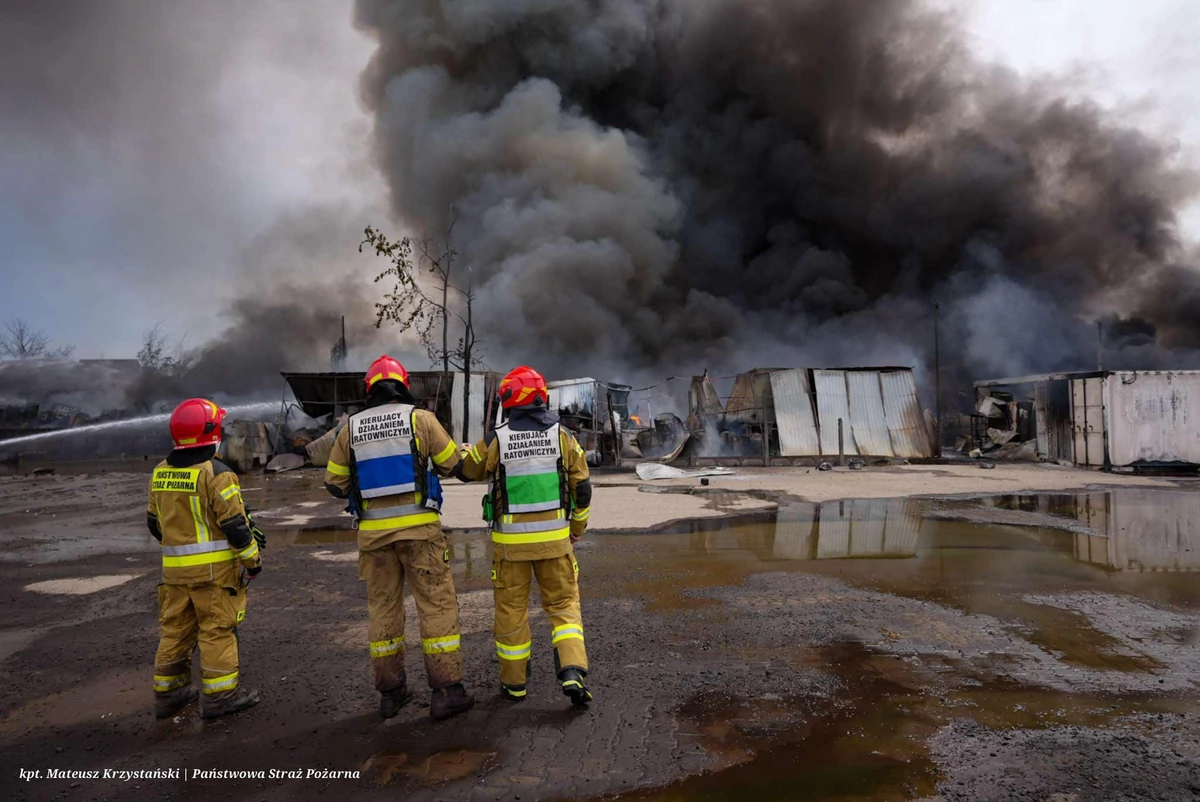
x=149 y=145
x=1137 y=57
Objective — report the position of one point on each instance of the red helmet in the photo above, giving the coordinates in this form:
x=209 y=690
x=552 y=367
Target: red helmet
x=195 y=423
x=386 y=368
x=522 y=387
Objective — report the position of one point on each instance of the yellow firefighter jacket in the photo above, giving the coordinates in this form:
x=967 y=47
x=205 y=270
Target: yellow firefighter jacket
x=198 y=515
x=430 y=443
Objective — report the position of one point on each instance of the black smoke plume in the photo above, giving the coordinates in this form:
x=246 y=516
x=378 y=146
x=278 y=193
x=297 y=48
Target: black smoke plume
x=297 y=281
x=648 y=185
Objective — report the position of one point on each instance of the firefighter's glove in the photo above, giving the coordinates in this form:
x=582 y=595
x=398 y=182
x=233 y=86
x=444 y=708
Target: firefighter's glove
x=251 y=573
x=259 y=537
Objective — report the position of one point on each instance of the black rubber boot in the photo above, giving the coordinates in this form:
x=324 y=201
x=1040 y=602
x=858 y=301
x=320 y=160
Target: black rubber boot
x=170 y=703
x=227 y=703
x=573 y=687
x=447 y=702
x=391 y=701
x=513 y=693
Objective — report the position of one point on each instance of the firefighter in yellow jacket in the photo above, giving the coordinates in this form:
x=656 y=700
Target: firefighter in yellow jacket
x=387 y=461
x=210 y=551
x=537 y=505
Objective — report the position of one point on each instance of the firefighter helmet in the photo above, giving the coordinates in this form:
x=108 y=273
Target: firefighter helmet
x=196 y=423
x=386 y=368
x=523 y=387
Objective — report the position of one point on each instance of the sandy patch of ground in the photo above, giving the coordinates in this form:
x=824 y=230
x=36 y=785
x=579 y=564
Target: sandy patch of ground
x=80 y=586
x=905 y=480
x=614 y=507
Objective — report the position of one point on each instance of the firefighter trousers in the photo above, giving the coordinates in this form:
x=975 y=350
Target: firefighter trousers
x=426 y=566
x=558 y=583
x=207 y=615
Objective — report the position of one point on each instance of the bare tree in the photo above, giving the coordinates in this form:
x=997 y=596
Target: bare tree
x=160 y=357
x=412 y=308
x=20 y=340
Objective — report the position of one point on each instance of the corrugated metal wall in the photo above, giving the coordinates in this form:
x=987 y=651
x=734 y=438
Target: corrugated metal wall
x=794 y=414
x=1151 y=417
x=867 y=418
x=833 y=403
x=905 y=420
x=882 y=416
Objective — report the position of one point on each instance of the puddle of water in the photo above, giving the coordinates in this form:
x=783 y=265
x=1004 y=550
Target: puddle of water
x=889 y=545
x=80 y=586
x=111 y=695
x=871 y=745
x=440 y=767
x=1129 y=529
x=14 y=640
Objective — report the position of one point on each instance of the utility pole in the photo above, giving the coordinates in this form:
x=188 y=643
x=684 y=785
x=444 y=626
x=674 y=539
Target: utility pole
x=468 y=346
x=937 y=381
x=337 y=356
x=1099 y=345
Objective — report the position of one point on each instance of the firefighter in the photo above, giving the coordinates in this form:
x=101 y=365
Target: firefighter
x=386 y=461
x=537 y=506
x=210 y=551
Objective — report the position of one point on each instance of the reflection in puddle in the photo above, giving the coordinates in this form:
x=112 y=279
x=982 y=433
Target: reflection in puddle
x=1125 y=530
x=841 y=529
x=867 y=528
x=1130 y=529
x=1018 y=574
x=870 y=745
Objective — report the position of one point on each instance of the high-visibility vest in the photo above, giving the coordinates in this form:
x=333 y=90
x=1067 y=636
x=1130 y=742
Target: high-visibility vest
x=530 y=480
x=385 y=460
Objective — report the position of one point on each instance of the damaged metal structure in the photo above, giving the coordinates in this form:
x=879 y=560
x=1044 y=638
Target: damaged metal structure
x=596 y=413
x=327 y=399
x=786 y=415
x=1110 y=420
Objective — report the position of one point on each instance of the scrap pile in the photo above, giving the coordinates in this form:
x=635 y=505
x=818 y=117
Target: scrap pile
x=1002 y=428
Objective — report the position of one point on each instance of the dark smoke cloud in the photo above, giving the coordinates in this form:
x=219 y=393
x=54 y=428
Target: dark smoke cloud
x=297 y=281
x=648 y=185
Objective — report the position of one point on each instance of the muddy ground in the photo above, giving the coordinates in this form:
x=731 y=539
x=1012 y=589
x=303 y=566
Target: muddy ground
x=790 y=636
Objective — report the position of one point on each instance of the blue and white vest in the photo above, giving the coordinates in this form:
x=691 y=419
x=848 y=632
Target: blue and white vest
x=387 y=462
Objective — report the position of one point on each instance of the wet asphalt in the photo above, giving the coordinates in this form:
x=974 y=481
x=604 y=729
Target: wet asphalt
x=870 y=650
